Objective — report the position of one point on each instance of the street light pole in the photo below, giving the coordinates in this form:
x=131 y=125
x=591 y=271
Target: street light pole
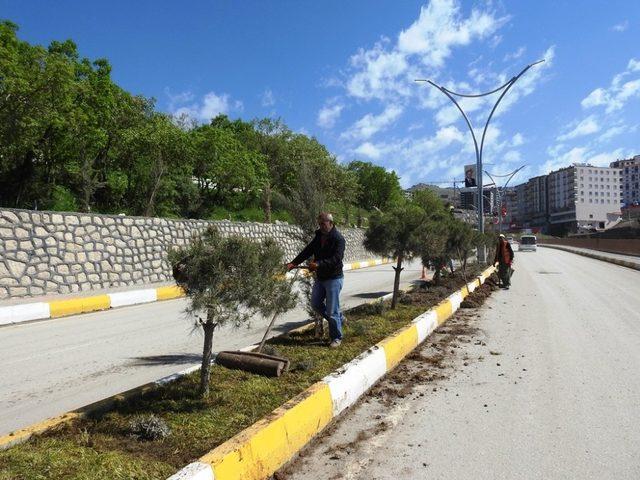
x=479 y=149
x=501 y=190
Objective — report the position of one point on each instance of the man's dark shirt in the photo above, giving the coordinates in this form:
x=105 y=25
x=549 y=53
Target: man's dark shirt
x=328 y=251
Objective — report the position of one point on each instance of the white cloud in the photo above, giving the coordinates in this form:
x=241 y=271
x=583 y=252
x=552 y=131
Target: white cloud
x=209 y=107
x=369 y=150
x=515 y=55
x=583 y=154
x=597 y=97
x=370 y=124
x=329 y=114
x=621 y=27
x=612 y=132
x=383 y=71
x=586 y=127
x=440 y=27
x=267 y=100
x=517 y=140
x=619 y=92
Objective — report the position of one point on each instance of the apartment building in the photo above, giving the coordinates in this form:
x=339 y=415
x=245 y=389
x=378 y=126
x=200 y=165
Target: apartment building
x=630 y=179
x=536 y=201
x=583 y=197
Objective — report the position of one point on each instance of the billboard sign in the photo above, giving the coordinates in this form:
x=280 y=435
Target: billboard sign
x=470 y=176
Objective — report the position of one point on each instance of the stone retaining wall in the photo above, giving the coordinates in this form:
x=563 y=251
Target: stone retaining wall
x=53 y=252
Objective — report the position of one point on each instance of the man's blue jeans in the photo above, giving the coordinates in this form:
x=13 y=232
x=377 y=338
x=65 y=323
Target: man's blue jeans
x=325 y=299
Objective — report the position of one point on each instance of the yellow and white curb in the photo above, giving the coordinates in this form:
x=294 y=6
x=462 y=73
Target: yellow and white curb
x=73 y=306
x=261 y=449
x=604 y=258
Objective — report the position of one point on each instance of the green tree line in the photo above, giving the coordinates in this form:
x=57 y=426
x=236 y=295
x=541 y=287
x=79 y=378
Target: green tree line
x=71 y=139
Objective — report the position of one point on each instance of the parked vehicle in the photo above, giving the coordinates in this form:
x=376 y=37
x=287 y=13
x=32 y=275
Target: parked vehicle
x=528 y=243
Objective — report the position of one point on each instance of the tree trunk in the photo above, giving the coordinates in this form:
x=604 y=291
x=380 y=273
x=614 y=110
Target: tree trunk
x=396 y=282
x=208 y=327
x=266 y=203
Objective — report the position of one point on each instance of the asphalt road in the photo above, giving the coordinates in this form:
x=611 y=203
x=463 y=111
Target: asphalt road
x=54 y=366
x=546 y=388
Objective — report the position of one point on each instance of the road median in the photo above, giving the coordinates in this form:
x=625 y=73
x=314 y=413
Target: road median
x=257 y=423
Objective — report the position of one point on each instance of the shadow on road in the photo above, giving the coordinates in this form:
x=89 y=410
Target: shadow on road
x=183 y=359
x=370 y=294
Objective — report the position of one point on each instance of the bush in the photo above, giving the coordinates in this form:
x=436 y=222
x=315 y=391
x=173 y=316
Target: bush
x=148 y=427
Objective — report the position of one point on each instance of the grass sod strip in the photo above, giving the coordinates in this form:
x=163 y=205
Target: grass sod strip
x=103 y=447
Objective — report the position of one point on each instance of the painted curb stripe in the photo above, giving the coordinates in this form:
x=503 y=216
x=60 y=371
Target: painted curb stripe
x=22 y=435
x=168 y=293
x=355 y=378
x=134 y=297
x=194 y=471
x=261 y=449
x=425 y=324
x=24 y=313
x=397 y=346
x=74 y=306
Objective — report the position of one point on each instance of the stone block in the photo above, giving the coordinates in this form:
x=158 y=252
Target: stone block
x=94 y=256
x=6 y=232
x=85 y=286
x=52 y=250
x=82 y=277
x=62 y=269
x=11 y=217
x=82 y=257
x=37 y=242
x=50 y=241
x=36 y=290
x=16 y=268
x=8 y=281
x=26 y=245
x=59 y=235
x=101 y=220
x=76 y=269
x=18 y=291
x=93 y=278
x=75 y=287
x=57 y=219
x=11 y=245
x=105 y=266
x=64 y=289
x=69 y=257
x=85 y=220
x=68 y=237
x=25 y=280
x=71 y=220
x=22 y=256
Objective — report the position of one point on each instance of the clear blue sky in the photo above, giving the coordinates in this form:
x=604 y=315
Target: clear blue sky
x=343 y=72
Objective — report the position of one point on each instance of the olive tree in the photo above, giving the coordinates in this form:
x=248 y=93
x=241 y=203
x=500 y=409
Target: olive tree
x=396 y=233
x=228 y=280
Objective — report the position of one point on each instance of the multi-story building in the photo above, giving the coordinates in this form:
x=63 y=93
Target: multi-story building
x=583 y=197
x=536 y=201
x=630 y=179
